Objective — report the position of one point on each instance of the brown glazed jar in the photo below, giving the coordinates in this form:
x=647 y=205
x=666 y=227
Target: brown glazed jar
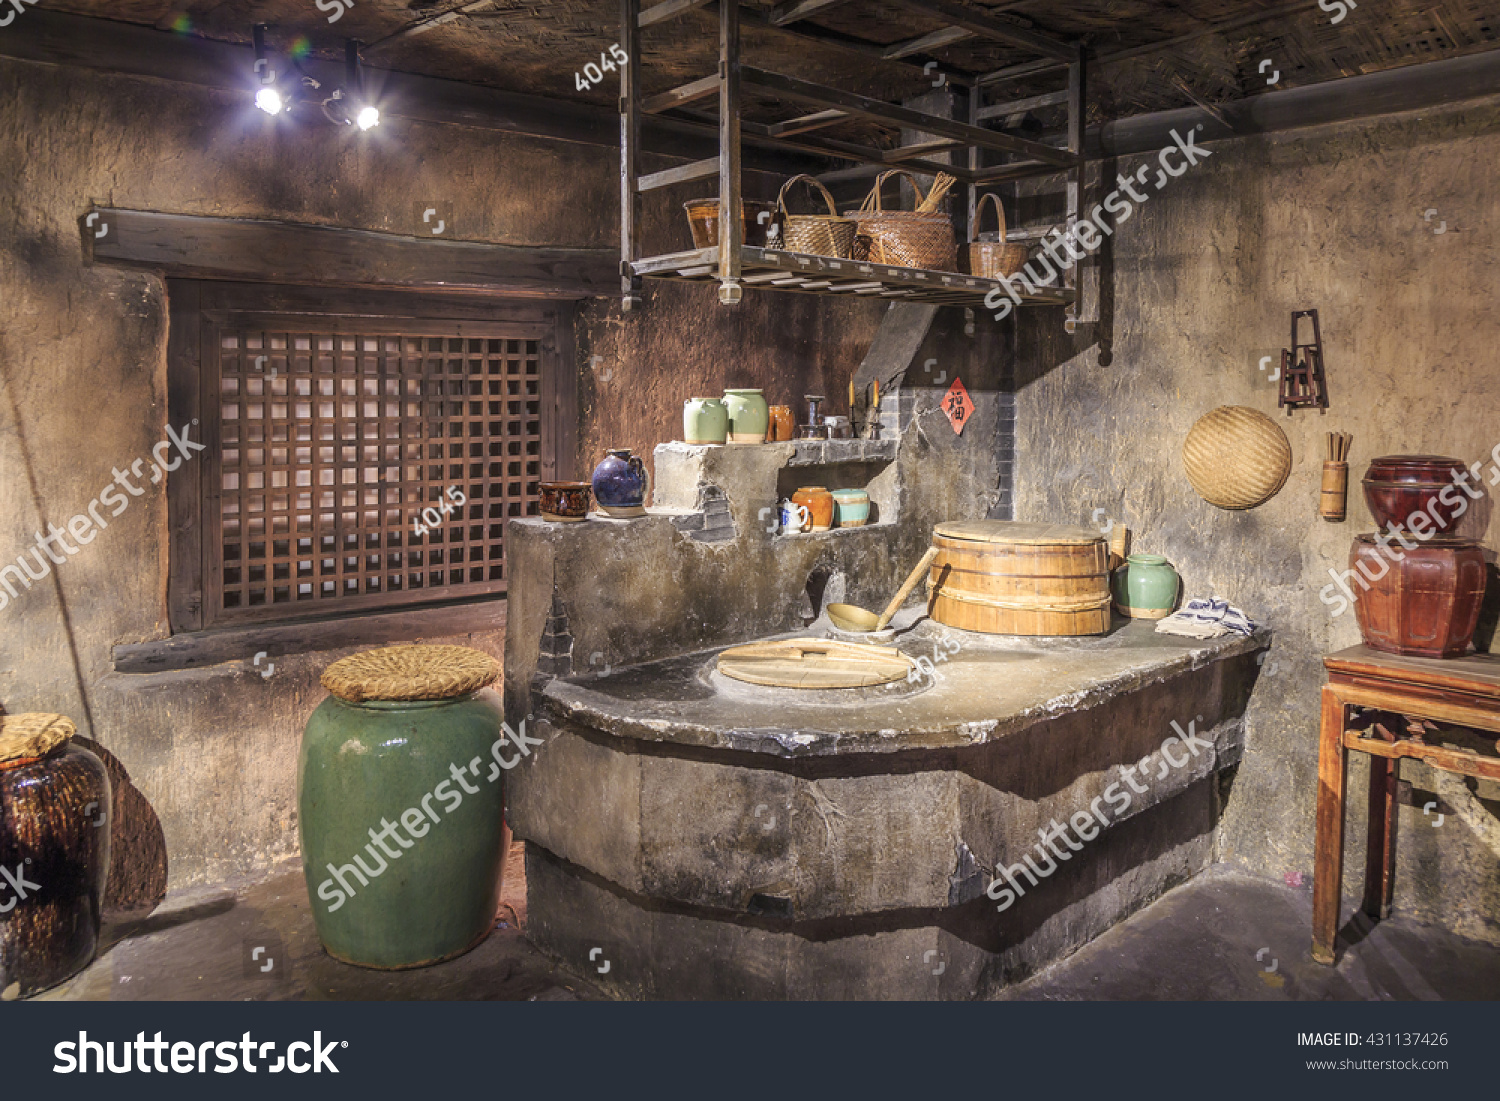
x=819 y=504
x=1422 y=600
x=54 y=852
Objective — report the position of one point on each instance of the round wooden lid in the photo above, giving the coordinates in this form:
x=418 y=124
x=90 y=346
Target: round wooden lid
x=1017 y=532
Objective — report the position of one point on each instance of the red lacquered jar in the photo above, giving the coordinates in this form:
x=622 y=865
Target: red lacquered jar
x=1422 y=601
x=1399 y=487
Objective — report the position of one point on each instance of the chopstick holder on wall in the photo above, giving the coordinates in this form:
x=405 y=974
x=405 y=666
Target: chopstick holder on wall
x=1334 y=501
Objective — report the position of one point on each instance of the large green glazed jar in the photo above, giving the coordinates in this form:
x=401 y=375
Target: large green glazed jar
x=705 y=421
x=1145 y=587
x=402 y=815
x=749 y=416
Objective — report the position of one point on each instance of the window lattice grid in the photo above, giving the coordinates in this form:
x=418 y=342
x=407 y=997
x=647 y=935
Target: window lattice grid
x=335 y=447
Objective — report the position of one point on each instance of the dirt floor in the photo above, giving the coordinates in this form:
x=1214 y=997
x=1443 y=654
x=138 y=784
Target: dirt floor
x=1223 y=936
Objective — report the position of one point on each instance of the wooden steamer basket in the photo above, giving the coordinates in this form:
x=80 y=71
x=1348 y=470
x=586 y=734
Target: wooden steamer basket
x=1001 y=577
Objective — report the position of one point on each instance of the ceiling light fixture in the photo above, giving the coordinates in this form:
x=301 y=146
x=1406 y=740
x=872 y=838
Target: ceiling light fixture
x=346 y=106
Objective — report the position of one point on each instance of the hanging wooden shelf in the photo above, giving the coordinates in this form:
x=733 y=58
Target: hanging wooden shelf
x=795 y=271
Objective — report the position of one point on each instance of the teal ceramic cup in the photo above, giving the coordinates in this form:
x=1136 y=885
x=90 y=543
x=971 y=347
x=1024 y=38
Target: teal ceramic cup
x=852 y=507
x=401 y=816
x=1145 y=587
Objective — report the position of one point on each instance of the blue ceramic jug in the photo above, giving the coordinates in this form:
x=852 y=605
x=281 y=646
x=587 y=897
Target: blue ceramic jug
x=621 y=484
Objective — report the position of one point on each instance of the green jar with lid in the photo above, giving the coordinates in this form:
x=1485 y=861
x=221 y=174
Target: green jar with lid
x=1145 y=587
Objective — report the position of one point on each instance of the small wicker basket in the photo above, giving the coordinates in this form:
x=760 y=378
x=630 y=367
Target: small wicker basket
x=815 y=234
x=1236 y=457
x=994 y=259
x=921 y=238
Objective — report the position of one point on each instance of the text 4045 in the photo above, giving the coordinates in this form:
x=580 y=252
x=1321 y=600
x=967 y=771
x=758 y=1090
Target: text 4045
x=592 y=74
x=926 y=667
x=433 y=514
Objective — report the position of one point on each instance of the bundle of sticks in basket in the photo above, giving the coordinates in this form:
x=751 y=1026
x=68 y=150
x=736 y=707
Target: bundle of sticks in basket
x=1334 y=501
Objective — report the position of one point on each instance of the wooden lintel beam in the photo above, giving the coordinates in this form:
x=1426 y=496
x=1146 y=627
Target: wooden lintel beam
x=986 y=26
x=880 y=111
x=683 y=94
x=251 y=250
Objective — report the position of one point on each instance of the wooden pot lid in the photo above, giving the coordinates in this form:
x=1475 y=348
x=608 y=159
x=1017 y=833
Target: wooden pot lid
x=32 y=735
x=814 y=663
x=1017 y=533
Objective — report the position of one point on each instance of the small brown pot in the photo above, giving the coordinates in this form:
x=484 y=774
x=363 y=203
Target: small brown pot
x=819 y=503
x=783 y=423
x=565 y=502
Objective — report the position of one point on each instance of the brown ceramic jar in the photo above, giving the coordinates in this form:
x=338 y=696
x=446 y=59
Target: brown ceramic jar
x=54 y=852
x=819 y=504
x=1423 y=600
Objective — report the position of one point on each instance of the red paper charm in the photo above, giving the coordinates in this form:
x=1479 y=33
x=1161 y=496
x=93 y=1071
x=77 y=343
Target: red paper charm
x=957 y=406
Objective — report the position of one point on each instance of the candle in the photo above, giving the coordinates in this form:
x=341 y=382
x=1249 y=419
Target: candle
x=877 y=397
x=851 y=396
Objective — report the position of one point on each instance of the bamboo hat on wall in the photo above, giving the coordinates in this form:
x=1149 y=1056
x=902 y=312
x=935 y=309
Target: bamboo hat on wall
x=1237 y=457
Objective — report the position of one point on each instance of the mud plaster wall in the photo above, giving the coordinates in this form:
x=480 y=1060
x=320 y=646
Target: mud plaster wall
x=1206 y=274
x=207 y=758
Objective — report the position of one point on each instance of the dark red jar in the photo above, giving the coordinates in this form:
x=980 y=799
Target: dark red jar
x=1422 y=600
x=54 y=853
x=1398 y=487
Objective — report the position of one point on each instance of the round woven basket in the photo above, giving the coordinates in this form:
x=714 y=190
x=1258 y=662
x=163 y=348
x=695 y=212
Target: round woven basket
x=815 y=234
x=994 y=259
x=921 y=238
x=1237 y=458
x=411 y=673
x=31 y=736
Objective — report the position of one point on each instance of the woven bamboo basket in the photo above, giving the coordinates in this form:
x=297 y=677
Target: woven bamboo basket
x=921 y=238
x=816 y=234
x=1236 y=457
x=994 y=259
x=1005 y=578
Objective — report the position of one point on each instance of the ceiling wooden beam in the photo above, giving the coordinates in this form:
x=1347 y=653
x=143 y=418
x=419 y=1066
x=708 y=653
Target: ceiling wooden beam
x=794 y=10
x=986 y=26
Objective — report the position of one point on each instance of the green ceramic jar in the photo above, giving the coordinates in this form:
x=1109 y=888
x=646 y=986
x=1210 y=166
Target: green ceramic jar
x=705 y=421
x=1145 y=587
x=749 y=416
x=401 y=816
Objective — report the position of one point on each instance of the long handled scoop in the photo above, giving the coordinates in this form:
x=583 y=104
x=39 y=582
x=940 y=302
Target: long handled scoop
x=851 y=617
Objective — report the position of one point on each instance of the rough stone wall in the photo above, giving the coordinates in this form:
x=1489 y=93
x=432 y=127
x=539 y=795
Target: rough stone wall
x=210 y=755
x=1206 y=274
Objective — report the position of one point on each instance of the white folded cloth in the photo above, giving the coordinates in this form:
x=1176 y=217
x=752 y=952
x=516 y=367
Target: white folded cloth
x=1205 y=617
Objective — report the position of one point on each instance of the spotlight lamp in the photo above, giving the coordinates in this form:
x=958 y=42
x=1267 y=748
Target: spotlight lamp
x=267 y=97
x=346 y=106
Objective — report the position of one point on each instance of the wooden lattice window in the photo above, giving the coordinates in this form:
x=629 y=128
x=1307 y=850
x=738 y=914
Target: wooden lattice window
x=335 y=442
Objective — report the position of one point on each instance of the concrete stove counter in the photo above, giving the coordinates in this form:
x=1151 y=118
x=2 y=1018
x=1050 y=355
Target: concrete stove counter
x=717 y=839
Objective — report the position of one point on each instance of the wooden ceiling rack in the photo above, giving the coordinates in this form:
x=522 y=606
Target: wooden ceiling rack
x=993 y=155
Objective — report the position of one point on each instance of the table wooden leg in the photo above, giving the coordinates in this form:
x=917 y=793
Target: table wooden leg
x=1328 y=866
x=1380 y=856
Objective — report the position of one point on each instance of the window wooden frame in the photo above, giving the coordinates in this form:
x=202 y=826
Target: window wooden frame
x=199 y=309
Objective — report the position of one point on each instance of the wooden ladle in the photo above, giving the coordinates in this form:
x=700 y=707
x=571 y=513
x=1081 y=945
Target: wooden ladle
x=853 y=618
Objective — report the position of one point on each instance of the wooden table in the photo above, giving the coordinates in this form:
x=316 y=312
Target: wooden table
x=1368 y=696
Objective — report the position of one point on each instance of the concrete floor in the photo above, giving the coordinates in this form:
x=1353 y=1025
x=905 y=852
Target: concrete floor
x=1229 y=937
x=1223 y=936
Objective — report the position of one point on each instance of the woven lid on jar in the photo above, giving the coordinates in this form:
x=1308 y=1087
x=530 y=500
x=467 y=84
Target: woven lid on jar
x=34 y=734
x=411 y=673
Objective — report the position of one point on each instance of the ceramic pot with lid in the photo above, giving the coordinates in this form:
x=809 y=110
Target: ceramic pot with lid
x=853 y=507
x=54 y=839
x=1400 y=487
